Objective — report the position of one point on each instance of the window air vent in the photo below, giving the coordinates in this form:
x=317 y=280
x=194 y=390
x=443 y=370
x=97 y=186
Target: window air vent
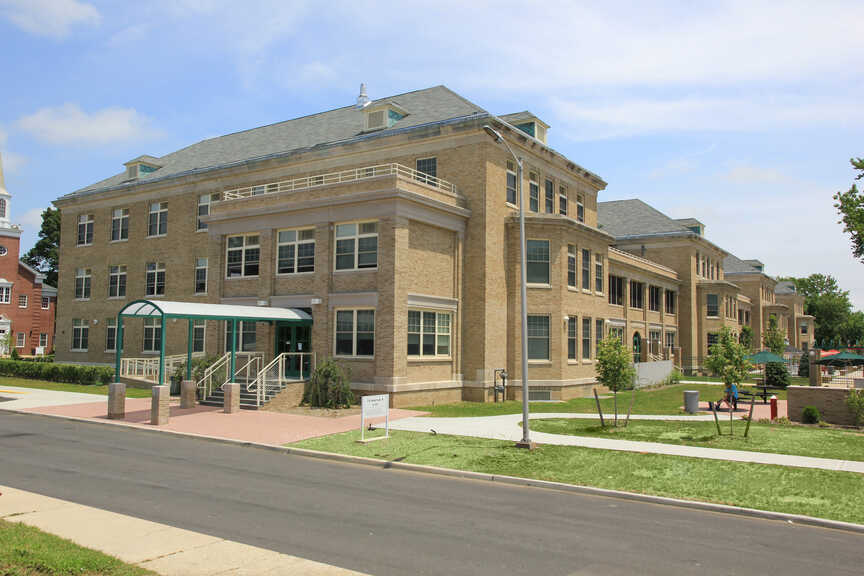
x=539 y=395
x=376 y=120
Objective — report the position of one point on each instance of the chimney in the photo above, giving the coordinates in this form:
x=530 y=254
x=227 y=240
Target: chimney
x=362 y=99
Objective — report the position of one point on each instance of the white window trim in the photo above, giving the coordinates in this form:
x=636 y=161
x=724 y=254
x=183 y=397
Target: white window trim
x=548 y=264
x=124 y=273
x=208 y=203
x=20 y=340
x=296 y=243
x=206 y=269
x=91 y=220
x=6 y=294
x=435 y=356
x=121 y=218
x=203 y=340
x=82 y=327
x=515 y=192
x=108 y=326
x=26 y=300
x=156 y=270
x=160 y=211
x=153 y=326
x=45 y=334
x=243 y=252
x=85 y=277
x=44 y=299
x=356 y=238
x=354 y=333
x=547 y=360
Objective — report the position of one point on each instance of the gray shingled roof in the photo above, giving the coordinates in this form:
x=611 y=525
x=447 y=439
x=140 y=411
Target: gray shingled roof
x=785 y=287
x=734 y=265
x=622 y=218
x=423 y=106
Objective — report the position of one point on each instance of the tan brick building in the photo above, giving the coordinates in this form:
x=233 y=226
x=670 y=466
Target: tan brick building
x=393 y=223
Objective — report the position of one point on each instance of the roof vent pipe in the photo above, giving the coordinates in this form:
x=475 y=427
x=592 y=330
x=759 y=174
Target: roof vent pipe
x=362 y=99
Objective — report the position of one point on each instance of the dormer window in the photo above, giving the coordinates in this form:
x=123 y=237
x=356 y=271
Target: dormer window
x=384 y=115
x=141 y=166
x=529 y=124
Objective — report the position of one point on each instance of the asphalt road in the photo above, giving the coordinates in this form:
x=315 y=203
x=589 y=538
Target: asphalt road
x=387 y=522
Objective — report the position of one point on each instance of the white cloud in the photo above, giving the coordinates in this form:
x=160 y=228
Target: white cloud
x=69 y=124
x=52 y=18
x=743 y=173
x=11 y=161
x=643 y=116
x=32 y=219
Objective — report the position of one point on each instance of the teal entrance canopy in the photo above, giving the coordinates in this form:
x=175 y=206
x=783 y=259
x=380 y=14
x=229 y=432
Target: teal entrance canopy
x=192 y=311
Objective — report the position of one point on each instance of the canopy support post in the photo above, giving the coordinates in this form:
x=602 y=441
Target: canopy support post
x=162 y=352
x=233 y=349
x=189 y=342
x=118 y=348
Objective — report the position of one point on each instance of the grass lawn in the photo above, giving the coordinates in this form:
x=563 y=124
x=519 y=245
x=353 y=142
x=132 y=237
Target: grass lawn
x=777 y=438
x=666 y=400
x=793 y=380
x=27 y=551
x=62 y=387
x=823 y=493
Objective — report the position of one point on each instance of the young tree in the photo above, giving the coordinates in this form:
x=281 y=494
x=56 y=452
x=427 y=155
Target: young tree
x=615 y=368
x=746 y=337
x=804 y=365
x=850 y=207
x=44 y=255
x=728 y=359
x=774 y=339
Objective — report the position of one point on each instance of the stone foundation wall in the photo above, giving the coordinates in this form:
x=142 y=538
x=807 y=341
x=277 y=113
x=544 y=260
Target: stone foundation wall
x=289 y=397
x=831 y=403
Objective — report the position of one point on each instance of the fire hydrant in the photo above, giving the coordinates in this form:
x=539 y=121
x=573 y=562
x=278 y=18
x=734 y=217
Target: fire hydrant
x=773 y=407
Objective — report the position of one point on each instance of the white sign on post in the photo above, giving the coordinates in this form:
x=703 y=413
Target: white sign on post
x=374 y=407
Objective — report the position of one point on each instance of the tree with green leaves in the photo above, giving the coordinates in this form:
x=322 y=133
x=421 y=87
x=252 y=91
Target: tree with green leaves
x=774 y=340
x=615 y=368
x=727 y=359
x=44 y=255
x=851 y=332
x=746 y=337
x=826 y=302
x=850 y=207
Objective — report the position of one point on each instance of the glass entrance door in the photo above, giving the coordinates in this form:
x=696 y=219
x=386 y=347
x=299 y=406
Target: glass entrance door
x=295 y=339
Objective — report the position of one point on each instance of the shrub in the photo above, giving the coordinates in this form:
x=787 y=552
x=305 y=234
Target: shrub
x=68 y=373
x=776 y=375
x=810 y=415
x=804 y=365
x=328 y=387
x=855 y=402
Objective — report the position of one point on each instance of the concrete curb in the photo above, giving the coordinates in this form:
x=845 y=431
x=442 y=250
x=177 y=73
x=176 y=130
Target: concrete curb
x=482 y=476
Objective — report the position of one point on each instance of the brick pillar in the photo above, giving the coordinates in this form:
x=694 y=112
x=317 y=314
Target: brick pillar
x=815 y=369
x=116 y=401
x=187 y=394
x=232 y=398
x=159 y=408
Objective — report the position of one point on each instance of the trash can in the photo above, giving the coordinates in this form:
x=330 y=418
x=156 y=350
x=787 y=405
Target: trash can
x=691 y=401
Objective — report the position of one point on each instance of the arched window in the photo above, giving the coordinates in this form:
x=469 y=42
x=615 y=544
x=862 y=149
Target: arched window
x=2 y=208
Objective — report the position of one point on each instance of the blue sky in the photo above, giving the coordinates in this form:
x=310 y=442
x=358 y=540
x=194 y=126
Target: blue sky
x=742 y=114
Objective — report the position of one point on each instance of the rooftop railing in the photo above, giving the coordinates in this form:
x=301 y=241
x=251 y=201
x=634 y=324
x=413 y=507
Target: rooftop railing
x=345 y=176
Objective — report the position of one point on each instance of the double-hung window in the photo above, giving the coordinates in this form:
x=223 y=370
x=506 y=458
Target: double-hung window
x=654 y=298
x=562 y=200
x=43 y=340
x=670 y=339
x=152 y=335
x=198 y=335
x=117 y=282
x=83 y=278
x=355 y=333
x=85 y=229
x=669 y=298
x=204 y=209
x=586 y=269
x=155 y=279
x=243 y=256
x=110 y=334
x=616 y=290
x=46 y=303
x=80 y=335
x=586 y=338
x=511 y=184
x=571 y=266
x=538 y=261
x=713 y=339
x=428 y=333
x=5 y=294
x=538 y=337
x=247 y=336
x=580 y=208
x=637 y=294
x=550 y=197
x=157 y=223
x=572 y=338
x=356 y=245
x=533 y=193
x=200 y=276
x=598 y=273
x=598 y=336
x=295 y=253
x=119 y=224
x=713 y=306
x=20 y=340
x=23 y=300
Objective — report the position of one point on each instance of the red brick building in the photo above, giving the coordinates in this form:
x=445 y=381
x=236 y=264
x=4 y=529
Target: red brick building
x=27 y=304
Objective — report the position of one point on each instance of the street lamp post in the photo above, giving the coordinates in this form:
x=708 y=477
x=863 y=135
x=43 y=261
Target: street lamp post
x=526 y=431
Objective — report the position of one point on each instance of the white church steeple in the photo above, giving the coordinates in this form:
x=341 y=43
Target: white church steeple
x=5 y=200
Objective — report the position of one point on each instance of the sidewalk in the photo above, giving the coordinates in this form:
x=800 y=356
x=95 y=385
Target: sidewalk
x=163 y=549
x=26 y=398
x=508 y=427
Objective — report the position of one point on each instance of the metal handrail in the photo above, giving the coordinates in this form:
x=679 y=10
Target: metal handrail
x=206 y=382
x=352 y=175
x=267 y=387
x=148 y=368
